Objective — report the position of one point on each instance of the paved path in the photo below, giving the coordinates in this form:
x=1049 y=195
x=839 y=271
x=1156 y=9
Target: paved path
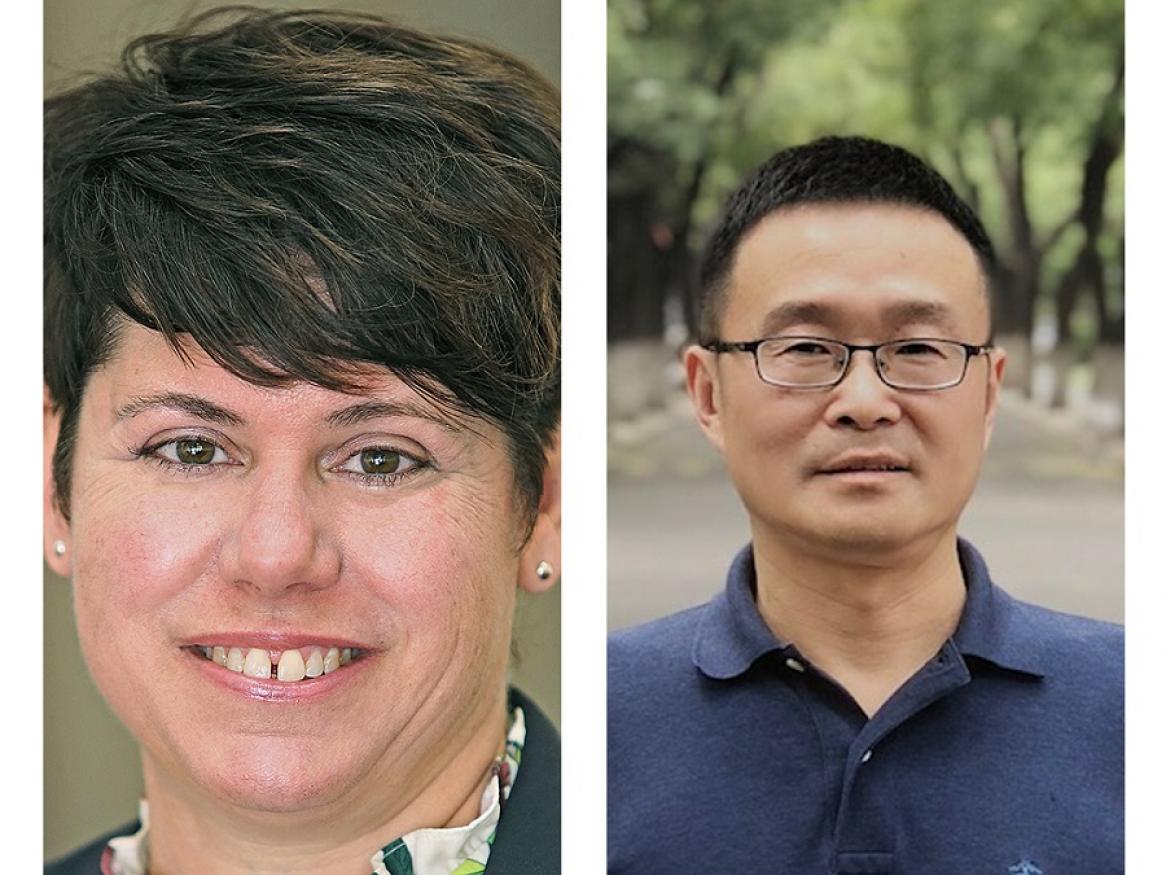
x=1048 y=514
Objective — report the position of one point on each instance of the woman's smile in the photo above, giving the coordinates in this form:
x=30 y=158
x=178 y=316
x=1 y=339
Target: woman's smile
x=292 y=675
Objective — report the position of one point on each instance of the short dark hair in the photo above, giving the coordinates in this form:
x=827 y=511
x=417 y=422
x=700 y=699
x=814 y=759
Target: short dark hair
x=830 y=170
x=301 y=193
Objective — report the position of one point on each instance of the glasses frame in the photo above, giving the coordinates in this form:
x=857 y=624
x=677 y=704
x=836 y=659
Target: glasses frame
x=751 y=347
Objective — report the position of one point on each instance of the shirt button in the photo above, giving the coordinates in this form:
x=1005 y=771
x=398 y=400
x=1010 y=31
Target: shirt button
x=866 y=756
x=794 y=664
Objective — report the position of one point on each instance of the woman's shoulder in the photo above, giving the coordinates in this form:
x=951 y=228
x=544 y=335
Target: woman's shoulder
x=528 y=836
x=86 y=860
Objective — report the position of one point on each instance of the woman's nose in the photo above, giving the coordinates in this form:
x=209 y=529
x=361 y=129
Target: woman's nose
x=280 y=543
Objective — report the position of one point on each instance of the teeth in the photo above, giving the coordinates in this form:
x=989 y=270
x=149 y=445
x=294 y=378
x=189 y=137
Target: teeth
x=331 y=660
x=315 y=664
x=235 y=659
x=291 y=666
x=258 y=664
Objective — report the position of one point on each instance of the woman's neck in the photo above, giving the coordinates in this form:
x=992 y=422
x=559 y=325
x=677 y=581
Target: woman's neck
x=191 y=832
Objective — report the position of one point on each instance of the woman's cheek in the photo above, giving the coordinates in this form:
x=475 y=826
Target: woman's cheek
x=438 y=559
x=144 y=552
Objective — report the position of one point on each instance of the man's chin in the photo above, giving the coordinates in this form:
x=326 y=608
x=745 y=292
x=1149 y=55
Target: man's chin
x=860 y=537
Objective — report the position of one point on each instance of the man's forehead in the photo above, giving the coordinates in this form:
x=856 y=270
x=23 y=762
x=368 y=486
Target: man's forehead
x=821 y=264
x=889 y=314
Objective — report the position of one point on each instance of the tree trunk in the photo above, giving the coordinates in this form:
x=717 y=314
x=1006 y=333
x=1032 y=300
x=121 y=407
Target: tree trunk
x=1019 y=283
x=1088 y=270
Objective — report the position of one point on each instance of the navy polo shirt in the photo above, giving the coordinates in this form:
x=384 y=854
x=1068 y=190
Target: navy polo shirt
x=729 y=752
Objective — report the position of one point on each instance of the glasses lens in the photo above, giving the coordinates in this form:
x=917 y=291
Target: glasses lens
x=922 y=364
x=800 y=361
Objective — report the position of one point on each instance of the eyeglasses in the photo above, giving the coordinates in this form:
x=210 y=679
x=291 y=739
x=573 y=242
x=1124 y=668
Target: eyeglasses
x=920 y=363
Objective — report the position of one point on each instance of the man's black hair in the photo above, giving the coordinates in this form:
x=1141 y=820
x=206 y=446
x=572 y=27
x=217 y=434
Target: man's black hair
x=830 y=170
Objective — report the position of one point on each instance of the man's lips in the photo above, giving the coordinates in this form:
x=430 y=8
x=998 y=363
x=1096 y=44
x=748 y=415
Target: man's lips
x=866 y=463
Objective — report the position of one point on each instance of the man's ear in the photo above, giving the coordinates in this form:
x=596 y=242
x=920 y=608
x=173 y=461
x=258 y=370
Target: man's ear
x=700 y=373
x=57 y=544
x=996 y=361
x=540 y=562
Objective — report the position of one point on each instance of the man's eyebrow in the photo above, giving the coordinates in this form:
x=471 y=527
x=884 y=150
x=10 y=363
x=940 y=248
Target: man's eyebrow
x=368 y=410
x=905 y=312
x=792 y=312
x=183 y=402
x=899 y=313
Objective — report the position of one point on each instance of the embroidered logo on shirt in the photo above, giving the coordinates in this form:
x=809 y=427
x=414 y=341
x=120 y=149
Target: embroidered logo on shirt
x=1025 y=867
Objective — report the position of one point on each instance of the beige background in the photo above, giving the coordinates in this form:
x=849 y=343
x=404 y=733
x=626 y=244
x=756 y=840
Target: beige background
x=91 y=772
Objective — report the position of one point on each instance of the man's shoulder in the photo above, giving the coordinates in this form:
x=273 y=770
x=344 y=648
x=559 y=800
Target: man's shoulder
x=1065 y=636
x=651 y=678
x=86 y=860
x=653 y=647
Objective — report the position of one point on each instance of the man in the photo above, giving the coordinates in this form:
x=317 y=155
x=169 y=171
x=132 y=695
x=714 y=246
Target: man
x=861 y=698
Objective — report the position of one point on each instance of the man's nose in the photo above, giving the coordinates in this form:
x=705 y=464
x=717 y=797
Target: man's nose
x=862 y=400
x=280 y=544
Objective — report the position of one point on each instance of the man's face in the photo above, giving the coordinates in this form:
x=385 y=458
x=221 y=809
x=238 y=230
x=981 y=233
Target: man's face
x=863 y=274
x=207 y=511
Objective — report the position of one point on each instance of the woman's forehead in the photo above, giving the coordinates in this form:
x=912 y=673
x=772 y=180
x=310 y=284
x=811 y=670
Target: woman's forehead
x=145 y=373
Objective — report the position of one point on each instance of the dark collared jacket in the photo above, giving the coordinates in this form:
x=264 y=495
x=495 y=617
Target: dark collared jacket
x=730 y=751
x=526 y=843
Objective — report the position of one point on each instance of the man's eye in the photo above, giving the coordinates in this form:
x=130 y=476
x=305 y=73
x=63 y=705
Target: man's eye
x=919 y=349
x=192 y=452
x=805 y=348
x=380 y=461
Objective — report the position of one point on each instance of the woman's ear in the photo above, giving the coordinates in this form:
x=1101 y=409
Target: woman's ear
x=57 y=545
x=539 y=564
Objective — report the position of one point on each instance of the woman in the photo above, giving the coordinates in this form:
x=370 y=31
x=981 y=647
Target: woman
x=301 y=370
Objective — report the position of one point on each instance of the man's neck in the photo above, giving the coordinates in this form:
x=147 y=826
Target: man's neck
x=869 y=620
x=335 y=839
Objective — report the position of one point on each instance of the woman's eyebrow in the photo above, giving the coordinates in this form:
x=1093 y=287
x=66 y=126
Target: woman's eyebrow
x=368 y=410
x=183 y=402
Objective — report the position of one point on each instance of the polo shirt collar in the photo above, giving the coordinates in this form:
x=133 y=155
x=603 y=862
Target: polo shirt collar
x=732 y=636
x=993 y=626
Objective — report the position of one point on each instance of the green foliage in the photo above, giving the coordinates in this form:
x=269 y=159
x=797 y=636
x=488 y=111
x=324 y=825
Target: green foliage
x=708 y=90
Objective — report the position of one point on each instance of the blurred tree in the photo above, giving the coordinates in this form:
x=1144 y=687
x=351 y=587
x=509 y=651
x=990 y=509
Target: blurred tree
x=1043 y=80
x=1019 y=102
x=673 y=71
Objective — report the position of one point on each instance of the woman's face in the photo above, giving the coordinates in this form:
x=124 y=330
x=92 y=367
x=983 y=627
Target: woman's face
x=209 y=512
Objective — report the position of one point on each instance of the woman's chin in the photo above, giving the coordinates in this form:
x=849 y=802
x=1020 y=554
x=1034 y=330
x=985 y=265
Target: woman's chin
x=278 y=775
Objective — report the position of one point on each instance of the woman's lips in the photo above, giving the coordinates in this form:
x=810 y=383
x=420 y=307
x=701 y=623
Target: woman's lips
x=290 y=665
x=298 y=676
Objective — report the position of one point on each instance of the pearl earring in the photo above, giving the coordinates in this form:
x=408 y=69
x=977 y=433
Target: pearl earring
x=544 y=570
x=59 y=547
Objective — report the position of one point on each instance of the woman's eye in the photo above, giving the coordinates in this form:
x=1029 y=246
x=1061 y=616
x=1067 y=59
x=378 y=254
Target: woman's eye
x=380 y=462
x=192 y=452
